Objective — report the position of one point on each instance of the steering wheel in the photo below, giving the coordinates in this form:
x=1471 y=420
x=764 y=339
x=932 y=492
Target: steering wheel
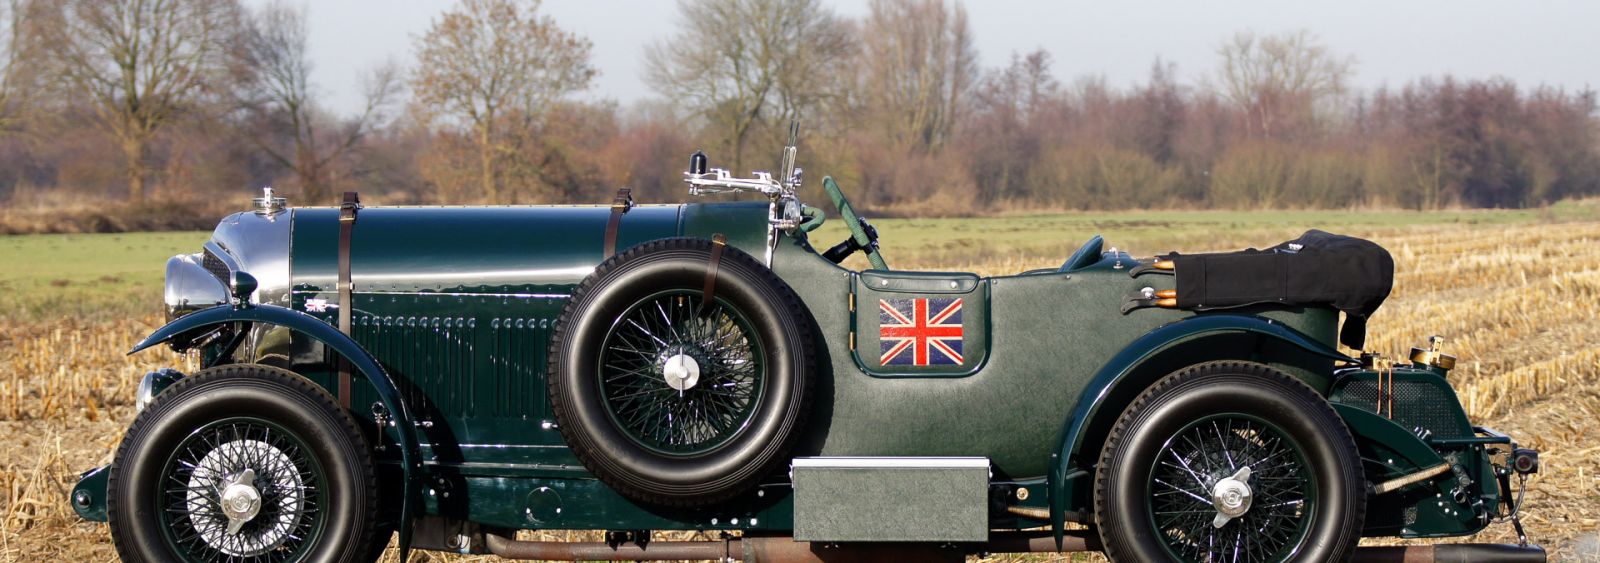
x=863 y=236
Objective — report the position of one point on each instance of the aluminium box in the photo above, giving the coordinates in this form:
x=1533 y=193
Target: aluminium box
x=891 y=499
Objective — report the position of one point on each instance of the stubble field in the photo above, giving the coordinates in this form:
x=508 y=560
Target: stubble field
x=1516 y=294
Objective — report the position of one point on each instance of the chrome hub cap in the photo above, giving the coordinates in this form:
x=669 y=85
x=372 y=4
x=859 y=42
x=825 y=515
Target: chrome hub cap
x=240 y=501
x=1231 y=497
x=681 y=372
x=229 y=489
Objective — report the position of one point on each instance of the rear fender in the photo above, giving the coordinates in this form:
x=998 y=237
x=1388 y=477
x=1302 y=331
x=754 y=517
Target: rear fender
x=363 y=362
x=1155 y=355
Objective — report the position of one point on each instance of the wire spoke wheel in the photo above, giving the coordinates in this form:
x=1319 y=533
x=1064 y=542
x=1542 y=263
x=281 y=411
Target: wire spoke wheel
x=211 y=512
x=243 y=463
x=680 y=379
x=1229 y=461
x=1232 y=487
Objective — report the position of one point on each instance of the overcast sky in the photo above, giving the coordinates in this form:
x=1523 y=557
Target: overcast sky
x=1552 y=42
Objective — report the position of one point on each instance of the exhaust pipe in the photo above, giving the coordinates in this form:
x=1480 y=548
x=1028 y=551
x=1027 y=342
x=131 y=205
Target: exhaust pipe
x=784 y=549
x=507 y=548
x=1452 y=553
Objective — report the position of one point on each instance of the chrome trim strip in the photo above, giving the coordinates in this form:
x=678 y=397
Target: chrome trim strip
x=531 y=275
x=447 y=294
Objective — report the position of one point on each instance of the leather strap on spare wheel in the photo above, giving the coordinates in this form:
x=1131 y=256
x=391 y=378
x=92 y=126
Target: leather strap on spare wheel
x=347 y=222
x=718 y=242
x=619 y=205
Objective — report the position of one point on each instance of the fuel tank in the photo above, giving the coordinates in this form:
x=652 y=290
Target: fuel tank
x=502 y=250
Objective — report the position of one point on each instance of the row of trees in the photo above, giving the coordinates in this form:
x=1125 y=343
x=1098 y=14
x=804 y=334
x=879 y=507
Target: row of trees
x=200 y=97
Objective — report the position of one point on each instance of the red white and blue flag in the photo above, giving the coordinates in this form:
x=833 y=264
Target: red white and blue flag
x=920 y=332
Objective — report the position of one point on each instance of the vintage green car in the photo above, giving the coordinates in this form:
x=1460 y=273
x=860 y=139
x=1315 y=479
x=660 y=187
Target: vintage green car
x=458 y=374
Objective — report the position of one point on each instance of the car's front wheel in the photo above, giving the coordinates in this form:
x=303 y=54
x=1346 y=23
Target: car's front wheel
x=243 y=463
x=1229 y=460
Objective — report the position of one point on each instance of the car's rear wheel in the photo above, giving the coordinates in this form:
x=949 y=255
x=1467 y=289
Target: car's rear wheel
x=673 y=396
x=1229 y=460
x=243 y=463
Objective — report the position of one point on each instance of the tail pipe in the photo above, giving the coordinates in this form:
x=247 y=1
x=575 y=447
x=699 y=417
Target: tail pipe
x=507 y=548
x=1453 y=553
x=783 y=549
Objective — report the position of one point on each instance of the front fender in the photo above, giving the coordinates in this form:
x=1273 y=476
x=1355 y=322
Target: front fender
x=1122 y=368
x=364 y=363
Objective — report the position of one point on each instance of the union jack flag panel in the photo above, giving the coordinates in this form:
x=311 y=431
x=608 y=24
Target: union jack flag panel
x=920 y=331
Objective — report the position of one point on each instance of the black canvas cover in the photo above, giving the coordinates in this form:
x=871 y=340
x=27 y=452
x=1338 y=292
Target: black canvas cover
x=1318 y=268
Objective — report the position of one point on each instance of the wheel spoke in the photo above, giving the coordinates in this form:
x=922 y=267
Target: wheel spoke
x=286 y=479
x=680 y=416
x=1214 y=452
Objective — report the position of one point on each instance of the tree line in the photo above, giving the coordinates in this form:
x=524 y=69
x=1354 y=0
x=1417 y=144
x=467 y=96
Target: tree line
x=143 y=101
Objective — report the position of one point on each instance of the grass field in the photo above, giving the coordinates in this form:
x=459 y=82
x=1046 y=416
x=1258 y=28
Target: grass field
x=1517 y=294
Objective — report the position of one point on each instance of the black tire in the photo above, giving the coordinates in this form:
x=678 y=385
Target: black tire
x=311 y=465
x=1157 y=458
x=594 y=380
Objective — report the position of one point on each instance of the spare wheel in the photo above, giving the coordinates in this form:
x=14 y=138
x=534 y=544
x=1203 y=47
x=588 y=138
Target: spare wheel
x=672 y=396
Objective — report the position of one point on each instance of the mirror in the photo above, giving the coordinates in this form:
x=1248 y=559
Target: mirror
x=241 y=285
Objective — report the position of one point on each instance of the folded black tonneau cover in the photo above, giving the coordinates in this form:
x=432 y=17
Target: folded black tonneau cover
x=1349 y=274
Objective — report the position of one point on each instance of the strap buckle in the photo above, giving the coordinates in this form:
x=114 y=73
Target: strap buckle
x=624 y=200
x=349 y=206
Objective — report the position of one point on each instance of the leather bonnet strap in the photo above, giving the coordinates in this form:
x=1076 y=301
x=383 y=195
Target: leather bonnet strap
x=718 y=243
x=619 y=205
x=347 y=222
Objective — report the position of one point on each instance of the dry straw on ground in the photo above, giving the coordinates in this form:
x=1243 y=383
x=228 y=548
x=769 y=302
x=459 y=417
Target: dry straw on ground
x=1519 y=304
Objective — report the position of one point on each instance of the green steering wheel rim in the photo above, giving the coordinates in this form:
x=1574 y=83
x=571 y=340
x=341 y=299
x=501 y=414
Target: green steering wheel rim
x=853 y=222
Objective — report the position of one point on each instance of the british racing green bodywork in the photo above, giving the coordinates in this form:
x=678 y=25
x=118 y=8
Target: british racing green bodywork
x=454 y=307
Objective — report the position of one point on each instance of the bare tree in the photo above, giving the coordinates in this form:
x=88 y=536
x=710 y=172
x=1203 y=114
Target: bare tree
x=142 y=64
x=284 y=94
x=743 y=63
x=489 y=60
x=1011 y=121
x=1280 y=78
x=919 y=69
x=13 y=52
